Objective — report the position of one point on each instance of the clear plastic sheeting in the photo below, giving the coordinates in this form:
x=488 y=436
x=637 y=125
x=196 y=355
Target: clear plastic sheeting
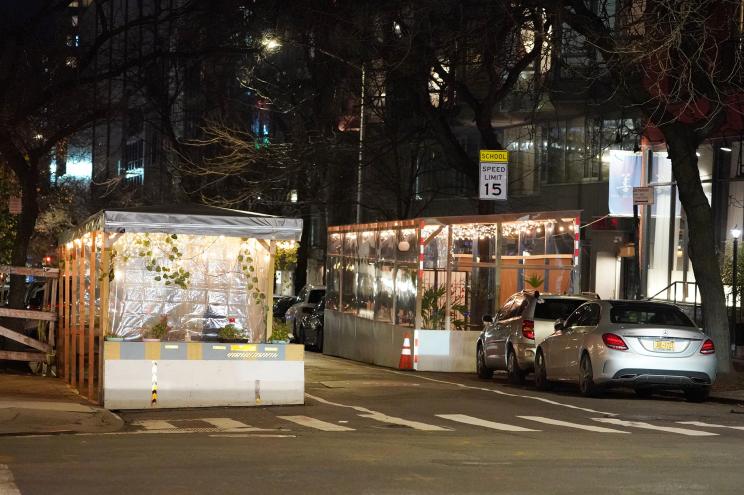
x=194 y=284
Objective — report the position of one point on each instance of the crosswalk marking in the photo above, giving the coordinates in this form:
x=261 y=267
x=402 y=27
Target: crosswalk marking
x=315 y=423
x=226 y=423
x=648 y=426
x=557 y=422
x=416 y=425
x=470 y=420
x=709 y=425
x=154 y=424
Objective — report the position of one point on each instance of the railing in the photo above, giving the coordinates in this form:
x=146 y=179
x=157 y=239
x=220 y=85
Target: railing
x=684 y=301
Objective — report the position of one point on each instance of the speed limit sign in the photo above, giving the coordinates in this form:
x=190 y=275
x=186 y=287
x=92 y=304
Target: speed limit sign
x=494 y=174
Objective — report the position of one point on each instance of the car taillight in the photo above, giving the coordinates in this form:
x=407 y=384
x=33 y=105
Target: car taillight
x=614 y=342
x=528 y=329
x=708 y=347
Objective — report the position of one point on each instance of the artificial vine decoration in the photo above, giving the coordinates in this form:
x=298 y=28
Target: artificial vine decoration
x=153 y=250
x=248 y=267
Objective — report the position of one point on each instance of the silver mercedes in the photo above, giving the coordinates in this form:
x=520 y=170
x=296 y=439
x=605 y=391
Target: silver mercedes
x=644 y=345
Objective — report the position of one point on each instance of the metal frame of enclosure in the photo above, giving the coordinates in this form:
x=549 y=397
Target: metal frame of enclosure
x=113 y=284
x=441 y=273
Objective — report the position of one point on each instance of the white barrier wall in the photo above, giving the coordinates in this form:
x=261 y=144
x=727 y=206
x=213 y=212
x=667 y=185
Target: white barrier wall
x=149 y=375
x=380 y=343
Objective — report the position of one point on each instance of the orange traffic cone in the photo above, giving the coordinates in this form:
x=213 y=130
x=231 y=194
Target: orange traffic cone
x=406 y=360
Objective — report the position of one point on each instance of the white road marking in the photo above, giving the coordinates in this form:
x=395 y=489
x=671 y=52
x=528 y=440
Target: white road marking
x=708 y=425
x=227 y=424
x=499 y=392
x=7 y=483
x=378 y=416
x=154 y=424
x=251 y=435
x=416 y=425
x=557 y=422
x=315 y=423
x=648 y=426
x=470 y=420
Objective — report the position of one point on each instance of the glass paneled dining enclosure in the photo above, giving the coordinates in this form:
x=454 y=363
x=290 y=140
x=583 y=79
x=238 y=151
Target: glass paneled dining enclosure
x=439 y=274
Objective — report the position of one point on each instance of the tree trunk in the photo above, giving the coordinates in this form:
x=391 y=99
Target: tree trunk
x=24 y=232
x=702 y=249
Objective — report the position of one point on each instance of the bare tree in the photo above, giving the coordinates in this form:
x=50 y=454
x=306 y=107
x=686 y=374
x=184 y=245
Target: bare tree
x=54 y=56
x=678 y=63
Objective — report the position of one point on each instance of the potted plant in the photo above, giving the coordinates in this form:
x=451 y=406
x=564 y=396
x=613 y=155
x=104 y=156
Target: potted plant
x=279 y=332
x=156 y=332
x=230 y=333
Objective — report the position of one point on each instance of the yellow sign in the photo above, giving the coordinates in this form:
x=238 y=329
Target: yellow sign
x=497 y=156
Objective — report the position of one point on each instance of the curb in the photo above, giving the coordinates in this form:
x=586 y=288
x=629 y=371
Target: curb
x=725 y=400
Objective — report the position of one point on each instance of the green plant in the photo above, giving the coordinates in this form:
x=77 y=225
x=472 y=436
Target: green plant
x=158 y=330
x=279 y=330
x=433 y=314
x=229 y=332
x=535 y=281
x=285 y=257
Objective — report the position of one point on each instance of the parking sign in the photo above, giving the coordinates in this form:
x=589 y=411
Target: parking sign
x=494 y=174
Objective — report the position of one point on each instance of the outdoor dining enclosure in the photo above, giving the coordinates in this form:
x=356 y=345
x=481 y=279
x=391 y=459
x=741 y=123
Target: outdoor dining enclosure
x=435 y=278
x=147 y=294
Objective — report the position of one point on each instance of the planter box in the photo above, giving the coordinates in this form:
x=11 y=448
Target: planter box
x=150 y=375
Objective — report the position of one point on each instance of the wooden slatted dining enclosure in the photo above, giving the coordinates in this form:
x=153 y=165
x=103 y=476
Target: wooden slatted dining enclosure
x=84 y=264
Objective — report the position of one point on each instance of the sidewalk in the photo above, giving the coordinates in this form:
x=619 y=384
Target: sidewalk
x=41 y=405
x=729 y=389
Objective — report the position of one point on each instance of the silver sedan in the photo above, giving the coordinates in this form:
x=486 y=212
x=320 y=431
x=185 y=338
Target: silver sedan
x=643 y=345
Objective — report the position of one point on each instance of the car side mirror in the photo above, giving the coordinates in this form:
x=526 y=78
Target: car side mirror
x=487 y=319
x=559 y=325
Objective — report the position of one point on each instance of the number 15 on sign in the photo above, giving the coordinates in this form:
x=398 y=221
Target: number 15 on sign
x=494 y=180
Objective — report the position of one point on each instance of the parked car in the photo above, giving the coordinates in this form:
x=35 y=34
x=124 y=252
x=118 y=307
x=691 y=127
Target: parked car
x=282 y=304
x=644 y=345
x=311 y=327
x=307 y=299
x=508 y=342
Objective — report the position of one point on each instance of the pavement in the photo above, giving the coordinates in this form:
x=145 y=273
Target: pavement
x=44 y=405
x=41 y=405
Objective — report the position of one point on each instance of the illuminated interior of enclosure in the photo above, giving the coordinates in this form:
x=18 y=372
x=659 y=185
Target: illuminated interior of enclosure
x=447 y=272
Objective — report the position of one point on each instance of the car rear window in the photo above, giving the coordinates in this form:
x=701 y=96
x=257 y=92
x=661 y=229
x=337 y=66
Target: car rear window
x=553 y=309
x=648 y=314
x=315 y=296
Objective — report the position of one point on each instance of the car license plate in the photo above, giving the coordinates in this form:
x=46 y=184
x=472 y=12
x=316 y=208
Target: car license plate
x=664 y=345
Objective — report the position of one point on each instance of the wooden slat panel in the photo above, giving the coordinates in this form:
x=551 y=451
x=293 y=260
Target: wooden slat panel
x=23 y=356
x=74 y=293
x=36 y=272
x=81 y=317
x=104 y=320
x=92 y=275
x=28 y=314
x=66 y=309
x=24 y=339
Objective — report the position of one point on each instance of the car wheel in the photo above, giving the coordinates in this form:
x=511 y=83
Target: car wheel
x=513 y=371
x=319 y=341
x=541 y=374
x=697 y=394
x=480 y=364
x=644 y=393
x=586 y=378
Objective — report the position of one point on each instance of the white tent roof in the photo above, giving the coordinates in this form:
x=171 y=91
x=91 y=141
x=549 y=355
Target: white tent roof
x=191 y=219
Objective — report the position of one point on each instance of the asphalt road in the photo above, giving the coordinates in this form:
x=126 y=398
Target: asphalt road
x=369 y=430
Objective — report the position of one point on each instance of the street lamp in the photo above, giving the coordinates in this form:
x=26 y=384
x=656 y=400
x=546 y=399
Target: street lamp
x=735 y=233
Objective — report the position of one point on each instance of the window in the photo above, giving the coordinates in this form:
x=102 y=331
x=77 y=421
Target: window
x=648 y=314
x=573 y=320
x=134 y=159
x=589 y=316
x=553 y=309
